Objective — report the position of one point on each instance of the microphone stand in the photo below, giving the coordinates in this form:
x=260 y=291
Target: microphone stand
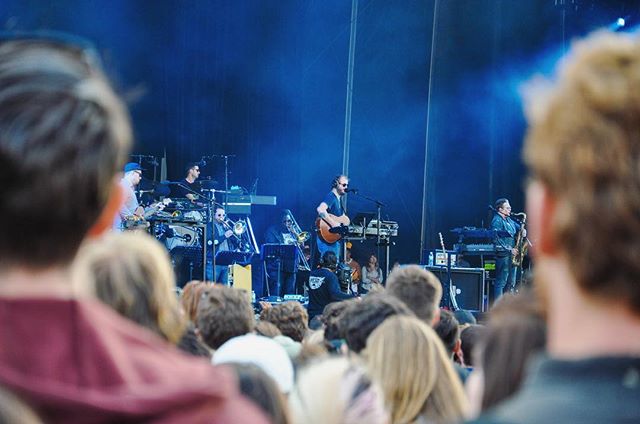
x=379 y=239
x=152 y=160
x=226 y=173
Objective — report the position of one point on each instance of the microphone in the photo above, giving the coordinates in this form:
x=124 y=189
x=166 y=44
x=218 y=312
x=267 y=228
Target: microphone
x=351 y=190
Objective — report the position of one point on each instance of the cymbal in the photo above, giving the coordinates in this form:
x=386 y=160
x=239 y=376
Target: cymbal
x=208 y=184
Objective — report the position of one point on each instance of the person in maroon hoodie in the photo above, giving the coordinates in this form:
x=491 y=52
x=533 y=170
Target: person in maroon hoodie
x=64 y=134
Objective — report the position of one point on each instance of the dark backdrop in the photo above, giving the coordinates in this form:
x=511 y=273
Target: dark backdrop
x=266 y=81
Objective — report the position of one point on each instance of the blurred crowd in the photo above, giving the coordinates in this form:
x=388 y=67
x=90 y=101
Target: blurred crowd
x=92 y=328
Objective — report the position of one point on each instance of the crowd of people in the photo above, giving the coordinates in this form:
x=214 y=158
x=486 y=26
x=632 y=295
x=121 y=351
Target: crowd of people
x=92 y=329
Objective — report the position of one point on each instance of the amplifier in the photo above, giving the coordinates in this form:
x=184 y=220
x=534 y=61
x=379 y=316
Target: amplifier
x=469 y=286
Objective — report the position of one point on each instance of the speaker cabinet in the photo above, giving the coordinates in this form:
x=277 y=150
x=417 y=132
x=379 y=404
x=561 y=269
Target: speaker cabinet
x=468 y=285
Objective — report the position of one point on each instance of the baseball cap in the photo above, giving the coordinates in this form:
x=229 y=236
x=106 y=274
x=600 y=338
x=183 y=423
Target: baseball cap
x=132 y=166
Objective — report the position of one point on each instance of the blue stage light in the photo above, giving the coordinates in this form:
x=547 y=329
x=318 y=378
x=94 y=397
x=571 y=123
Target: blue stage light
x=620 y=22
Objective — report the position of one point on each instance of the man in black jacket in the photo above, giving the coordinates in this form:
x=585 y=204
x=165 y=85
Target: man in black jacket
x=324 y=287
x=505 y=247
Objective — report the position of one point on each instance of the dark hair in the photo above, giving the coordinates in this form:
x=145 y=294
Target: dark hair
x=336 y=180
x=290 y=317
x=498 y=203
x=329 y=260
x=465 y=317
x=470 y=337
x=316 y=323
x=418 y=288
x=332 y=317
x=361 y=318
x=260 y=388
x=224 y=313
x=63 y=137
x=448 y=330
x=192 y=344
x=516 y=331
x=189 y=166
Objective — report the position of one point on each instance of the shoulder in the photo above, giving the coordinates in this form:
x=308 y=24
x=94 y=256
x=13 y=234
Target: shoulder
x=143 y=384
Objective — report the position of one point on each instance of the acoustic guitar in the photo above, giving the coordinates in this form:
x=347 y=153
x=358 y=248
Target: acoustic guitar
x=330 y=234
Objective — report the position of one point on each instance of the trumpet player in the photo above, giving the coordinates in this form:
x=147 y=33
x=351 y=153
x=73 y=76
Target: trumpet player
x=281 y=233
x=222 y=238
x=505 y=247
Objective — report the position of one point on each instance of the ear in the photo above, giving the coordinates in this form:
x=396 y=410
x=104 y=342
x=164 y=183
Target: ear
x=541 y=208
x=458 y=355
x=436 y=318
x=106 y=218
x=457 y=347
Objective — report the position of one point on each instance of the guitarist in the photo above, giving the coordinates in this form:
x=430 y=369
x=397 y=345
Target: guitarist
x=131 y=209
x=331 y=212
x=130 y=206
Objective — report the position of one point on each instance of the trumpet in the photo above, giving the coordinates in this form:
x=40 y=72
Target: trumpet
x=239 y=227
x=301 y=237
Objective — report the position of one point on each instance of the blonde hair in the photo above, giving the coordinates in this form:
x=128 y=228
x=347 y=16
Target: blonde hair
x=131 y=272
x=336 y=391
x=583 y=145
x=408 y=360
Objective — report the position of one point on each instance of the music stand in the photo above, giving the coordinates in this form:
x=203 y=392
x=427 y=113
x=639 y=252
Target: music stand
x=286 y=257
x=226 y=258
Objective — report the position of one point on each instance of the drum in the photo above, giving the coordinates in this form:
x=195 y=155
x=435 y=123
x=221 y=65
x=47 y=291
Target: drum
x=182 y=236
x=193 y=216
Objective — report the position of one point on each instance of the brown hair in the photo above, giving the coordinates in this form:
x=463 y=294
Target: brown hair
x=63 y=137
x=191 y=295
x=332 y=317
x=361 y=318
x=290 y=317
x=448 y=330
x=267 y=329
x=516 y=331
x=224 y=313
x=131 y=272
x=418 y=288
x=582 y=145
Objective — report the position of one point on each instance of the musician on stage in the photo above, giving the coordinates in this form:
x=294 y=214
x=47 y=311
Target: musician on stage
x=332 y=204
x=281 y=234
x=223 y=239
x=505 y=247
x=130 y=206
x=193 y=172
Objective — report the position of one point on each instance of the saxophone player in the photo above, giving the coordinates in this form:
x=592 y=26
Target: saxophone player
x=505 y=244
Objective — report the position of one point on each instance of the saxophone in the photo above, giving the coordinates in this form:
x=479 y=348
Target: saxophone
x=521 y=242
